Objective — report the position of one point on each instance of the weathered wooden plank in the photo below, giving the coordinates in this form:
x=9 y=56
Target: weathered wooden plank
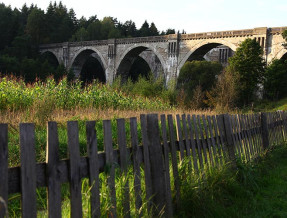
x=218 y=140
x=220 y=124
x=4 y=170
x=187 y=141
x=108 y=144
x=191 y=132
x=157 y=165
x=252 y=133
x=52 y=160
x=198 y=142
x=148 y=184
x=124 y=163
x=28 y=170
x=169 y=210
x=174 y=158
x=92 y=148
x=208 y=140
x=234 y=135
x=229 y=140
x=136 y=162
x=203 y=142
x=244 y=137
x=179 y=137
x=248 y=135
x=239 y=136
x=185 y=131
x=254 y=126
x=74 y=175
x=212 y=139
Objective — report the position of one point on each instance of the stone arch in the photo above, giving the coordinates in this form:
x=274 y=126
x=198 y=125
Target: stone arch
x=281 y=54
x=126 y=59
x=52 y=53
x=82 y=55
x=206 y=42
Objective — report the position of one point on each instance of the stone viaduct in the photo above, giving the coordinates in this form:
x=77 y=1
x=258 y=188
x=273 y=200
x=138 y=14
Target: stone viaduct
x=166 y=54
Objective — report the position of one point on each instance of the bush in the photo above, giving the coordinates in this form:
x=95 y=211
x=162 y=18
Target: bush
x=195 y=78
x=275 y=80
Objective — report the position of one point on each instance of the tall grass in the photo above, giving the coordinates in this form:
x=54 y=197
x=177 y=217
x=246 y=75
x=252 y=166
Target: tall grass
x=48 y=95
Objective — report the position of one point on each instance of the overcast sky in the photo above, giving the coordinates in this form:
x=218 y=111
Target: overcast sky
x=191 y=15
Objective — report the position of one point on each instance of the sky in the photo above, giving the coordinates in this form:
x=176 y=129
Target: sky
x=191 y=15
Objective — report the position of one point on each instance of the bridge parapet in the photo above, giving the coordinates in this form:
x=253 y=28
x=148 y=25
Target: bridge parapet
x=277 y=30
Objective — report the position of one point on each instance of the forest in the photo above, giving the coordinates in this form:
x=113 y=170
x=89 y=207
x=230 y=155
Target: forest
x=28 y=27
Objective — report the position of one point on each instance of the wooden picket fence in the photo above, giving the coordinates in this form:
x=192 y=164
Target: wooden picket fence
x=205 y=141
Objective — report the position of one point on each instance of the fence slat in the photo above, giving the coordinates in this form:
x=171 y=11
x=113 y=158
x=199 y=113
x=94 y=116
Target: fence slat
x=52 y=160
x=136 y=162
x=108 y=144
x=220 y=124
x=92 y=148
x=28 y=170
x=234 y=135
x=198 y=143
x=124 y=162
x=187 y=140
x=203 y=142
x=75 y=177
x=238 y=135
x=4 y=169
x=157 y=165
x=191 y=132
x=244 y=137
x=174 y=159
x=212 y=139
x=245 y=121
x=229 y=139
x=218 y=139
x=179 y=137
x=208 y=140
x=166 y=166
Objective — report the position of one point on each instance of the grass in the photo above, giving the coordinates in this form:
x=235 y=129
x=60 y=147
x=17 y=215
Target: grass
x=266 y=105
x=257 y=189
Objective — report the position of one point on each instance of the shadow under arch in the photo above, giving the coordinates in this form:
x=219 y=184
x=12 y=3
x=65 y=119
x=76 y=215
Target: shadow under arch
x=199 y=50
x=282 y=54
x=144 y=52
x=51 y=58
x=92 y=56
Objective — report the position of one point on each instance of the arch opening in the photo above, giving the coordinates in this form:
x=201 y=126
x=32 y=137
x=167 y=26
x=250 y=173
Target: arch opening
x=51 y=58
x=139 y=61
x=284 y=57
x=212 y=52
x=88 y=66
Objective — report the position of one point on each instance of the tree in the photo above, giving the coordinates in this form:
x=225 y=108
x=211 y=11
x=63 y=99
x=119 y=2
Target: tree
x=196 y=77
x=275 y=80
x=249 y=64
x=36 y=25
x=153 y=30
x=145 y=30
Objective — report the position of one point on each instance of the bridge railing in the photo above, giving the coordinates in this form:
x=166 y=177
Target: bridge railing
x=164 y=38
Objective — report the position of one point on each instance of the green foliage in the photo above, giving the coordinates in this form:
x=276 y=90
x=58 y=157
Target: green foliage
x=256 y=189
x=36 y=25
x=248 y=64
x=223 y=97
x=197 y=77
x=275 y=80
x=17 y=95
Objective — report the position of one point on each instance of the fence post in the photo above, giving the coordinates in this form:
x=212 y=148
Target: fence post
x=3 y=170
x=157 y=165
x=264 y=131
x=230 y=144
